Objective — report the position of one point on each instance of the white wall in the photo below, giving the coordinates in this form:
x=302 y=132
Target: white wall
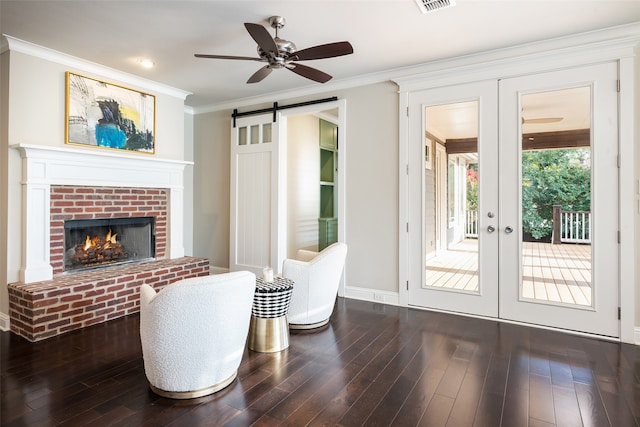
x=303 y=183
x=34 y=91
x=37 y=107
x=212 y=151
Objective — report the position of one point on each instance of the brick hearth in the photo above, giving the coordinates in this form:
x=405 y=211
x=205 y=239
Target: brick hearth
x=44 y=309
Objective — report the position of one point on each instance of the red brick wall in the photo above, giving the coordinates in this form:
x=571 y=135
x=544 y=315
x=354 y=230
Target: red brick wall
x=70 y=202
x=41 y=310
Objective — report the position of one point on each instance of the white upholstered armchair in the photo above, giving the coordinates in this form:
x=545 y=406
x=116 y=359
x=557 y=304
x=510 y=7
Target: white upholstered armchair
x=316 y=277
x=194 y=331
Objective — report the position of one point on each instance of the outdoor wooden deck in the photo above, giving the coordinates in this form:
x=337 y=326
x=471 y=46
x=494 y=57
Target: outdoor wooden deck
x=557 y=273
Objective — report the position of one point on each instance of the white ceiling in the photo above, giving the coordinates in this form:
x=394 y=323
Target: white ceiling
x=385 y=34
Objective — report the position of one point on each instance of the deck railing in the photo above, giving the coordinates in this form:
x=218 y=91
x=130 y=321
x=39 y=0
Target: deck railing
x=568 y=227
x=471 y=224
x=571 y=227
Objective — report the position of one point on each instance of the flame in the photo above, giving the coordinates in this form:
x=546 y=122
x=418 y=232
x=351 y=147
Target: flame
x=87 y=243
x=109 y=240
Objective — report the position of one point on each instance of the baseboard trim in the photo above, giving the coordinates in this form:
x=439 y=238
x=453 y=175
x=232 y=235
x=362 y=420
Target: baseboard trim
x=372 y=295
x=5 y=322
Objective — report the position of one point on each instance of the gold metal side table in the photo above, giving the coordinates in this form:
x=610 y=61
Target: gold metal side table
x=269 y=328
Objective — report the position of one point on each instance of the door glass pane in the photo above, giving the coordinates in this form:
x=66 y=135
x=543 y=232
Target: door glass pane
x=556 y=197
x=255 y=134
x=451 y=197
x=242 y=135
x=266 y=132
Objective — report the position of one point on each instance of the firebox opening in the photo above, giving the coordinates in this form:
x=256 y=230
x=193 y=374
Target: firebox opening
x=92 y=243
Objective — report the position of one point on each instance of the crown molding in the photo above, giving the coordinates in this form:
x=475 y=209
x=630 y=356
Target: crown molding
x=611 y=38
x=599 y=45
x=268 y=98
x=27 y=48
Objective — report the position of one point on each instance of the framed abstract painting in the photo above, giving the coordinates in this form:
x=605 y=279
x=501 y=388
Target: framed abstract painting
x=107 y=115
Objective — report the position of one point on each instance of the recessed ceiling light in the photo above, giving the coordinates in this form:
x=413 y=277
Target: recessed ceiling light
x=146 y=63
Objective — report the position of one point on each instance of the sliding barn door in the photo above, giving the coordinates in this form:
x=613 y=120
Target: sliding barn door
x=258 y=199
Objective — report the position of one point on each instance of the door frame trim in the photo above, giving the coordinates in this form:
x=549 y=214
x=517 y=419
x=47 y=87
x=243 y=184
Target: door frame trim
x=315 y=109
x=527 y=59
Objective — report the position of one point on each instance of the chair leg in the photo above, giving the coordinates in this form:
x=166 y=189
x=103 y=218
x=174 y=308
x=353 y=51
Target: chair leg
x=194 y=393
x=309 y=326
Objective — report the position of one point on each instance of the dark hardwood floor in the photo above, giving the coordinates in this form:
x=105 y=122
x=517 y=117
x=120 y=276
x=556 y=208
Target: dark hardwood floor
x=373 y=365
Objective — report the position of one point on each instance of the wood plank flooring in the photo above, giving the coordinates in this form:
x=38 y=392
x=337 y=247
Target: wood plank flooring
x=559 y=273
x=374 y=365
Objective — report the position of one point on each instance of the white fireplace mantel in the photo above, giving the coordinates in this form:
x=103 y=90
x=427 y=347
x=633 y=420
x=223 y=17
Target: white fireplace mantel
x=44 y=166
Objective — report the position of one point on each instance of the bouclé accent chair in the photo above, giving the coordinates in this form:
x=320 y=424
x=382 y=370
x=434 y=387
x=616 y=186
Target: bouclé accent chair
x=316 y=277
x=194 y=332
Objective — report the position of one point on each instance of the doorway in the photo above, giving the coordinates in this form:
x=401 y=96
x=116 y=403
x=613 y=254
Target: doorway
x=531 y=200
x=260 y=190
x=312 y=182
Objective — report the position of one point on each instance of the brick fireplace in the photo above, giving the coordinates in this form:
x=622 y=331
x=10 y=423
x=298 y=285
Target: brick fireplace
x=70 y=203
x=61 y=184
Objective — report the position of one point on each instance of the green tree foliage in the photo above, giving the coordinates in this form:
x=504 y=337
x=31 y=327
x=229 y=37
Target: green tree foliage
x=553 y=177
x=472 y=187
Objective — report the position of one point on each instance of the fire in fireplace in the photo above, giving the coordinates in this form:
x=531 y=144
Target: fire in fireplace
x=99 y=242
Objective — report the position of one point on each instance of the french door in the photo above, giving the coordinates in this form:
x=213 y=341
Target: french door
x=571 y=283
x=531 y=186
x=448 y=271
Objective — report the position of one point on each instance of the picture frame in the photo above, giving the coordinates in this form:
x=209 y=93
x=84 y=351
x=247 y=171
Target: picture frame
x=108 y=115
x=428 y=161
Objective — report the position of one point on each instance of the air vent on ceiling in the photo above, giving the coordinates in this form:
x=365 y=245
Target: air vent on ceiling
x=427 y=6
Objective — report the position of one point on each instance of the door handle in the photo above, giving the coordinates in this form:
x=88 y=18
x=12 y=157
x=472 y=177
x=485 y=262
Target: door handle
x=491 y=229
x=508 y=229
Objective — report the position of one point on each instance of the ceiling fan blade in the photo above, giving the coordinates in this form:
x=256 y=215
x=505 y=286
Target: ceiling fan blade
x=310 y=73
x=247 y=58
x=329 y=50
x=260 y=74
x=262 y=37
x=542 y=120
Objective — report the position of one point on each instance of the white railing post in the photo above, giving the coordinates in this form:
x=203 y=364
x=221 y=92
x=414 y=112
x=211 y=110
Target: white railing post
x=576 y=227
x=471 y=224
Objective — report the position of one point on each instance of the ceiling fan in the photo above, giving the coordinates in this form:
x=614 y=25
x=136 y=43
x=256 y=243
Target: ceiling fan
x=281 y=53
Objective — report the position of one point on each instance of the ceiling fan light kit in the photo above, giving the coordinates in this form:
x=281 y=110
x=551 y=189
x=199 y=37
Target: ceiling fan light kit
x=280 y=53
x=427 y=6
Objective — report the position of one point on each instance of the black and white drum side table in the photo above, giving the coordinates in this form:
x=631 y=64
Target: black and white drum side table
x=269 y=328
